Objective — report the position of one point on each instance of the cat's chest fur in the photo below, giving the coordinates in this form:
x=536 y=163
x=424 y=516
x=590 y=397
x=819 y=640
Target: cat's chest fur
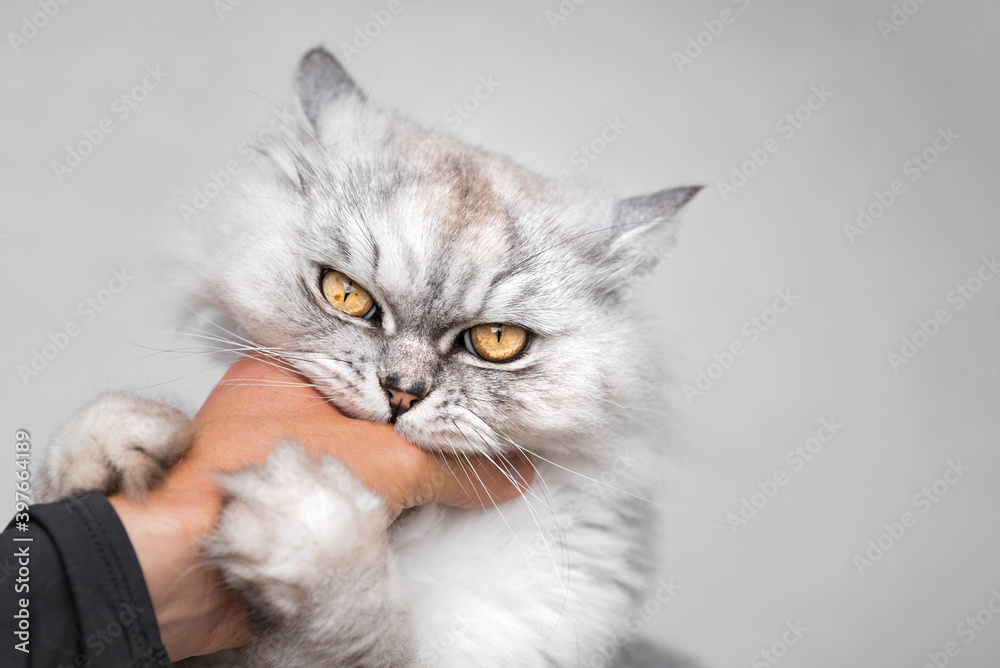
x=558 y=569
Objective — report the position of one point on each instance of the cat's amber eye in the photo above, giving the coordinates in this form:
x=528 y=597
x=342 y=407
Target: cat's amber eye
x=495 y=341
x=347 y=296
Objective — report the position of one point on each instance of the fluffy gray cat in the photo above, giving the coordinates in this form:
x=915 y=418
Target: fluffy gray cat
x=479 y=308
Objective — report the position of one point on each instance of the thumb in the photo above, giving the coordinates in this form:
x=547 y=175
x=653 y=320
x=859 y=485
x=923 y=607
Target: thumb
x=481 y=482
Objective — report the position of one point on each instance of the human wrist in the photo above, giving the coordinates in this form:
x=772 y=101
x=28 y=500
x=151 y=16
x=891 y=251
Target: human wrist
x=166 y=529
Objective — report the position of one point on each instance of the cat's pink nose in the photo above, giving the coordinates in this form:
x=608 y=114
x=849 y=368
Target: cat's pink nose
x=401 y=399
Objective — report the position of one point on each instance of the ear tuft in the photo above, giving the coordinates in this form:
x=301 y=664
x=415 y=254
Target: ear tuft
x=319 y=82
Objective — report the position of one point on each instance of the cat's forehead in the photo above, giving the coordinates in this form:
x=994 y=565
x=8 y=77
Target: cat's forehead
x=430 y=192
x=444 y=232
x=450 y=185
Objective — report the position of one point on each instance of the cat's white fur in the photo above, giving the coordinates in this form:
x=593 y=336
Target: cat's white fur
x=443 y=236
x=117 y=442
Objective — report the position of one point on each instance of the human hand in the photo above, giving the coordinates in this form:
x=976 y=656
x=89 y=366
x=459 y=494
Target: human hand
x=255 y=405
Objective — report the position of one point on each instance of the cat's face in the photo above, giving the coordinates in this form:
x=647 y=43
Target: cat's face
x=417 y=280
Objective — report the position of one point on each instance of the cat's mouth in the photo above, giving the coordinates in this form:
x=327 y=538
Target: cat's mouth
x=399 y=404
x=443 y=425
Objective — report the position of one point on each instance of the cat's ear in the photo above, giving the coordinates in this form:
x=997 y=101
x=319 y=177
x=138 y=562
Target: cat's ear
x=321 y=84
x=644 y=228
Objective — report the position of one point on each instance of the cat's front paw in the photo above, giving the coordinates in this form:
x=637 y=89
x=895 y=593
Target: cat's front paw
x=296 y=532
x=118 y=443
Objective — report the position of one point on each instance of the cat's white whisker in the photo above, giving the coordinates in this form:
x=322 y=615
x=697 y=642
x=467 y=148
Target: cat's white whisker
x=618 y=489
x=573 y=527
x=496 y=507
x=513 y=533
x=564 y=554
x=445 y=458
x=471 y=484
x=177 y=378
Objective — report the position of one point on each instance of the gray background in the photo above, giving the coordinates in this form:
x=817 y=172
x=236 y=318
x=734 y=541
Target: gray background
x=784 y=229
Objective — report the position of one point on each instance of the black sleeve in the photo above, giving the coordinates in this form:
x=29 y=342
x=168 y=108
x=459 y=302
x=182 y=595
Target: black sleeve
x=72 y=594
